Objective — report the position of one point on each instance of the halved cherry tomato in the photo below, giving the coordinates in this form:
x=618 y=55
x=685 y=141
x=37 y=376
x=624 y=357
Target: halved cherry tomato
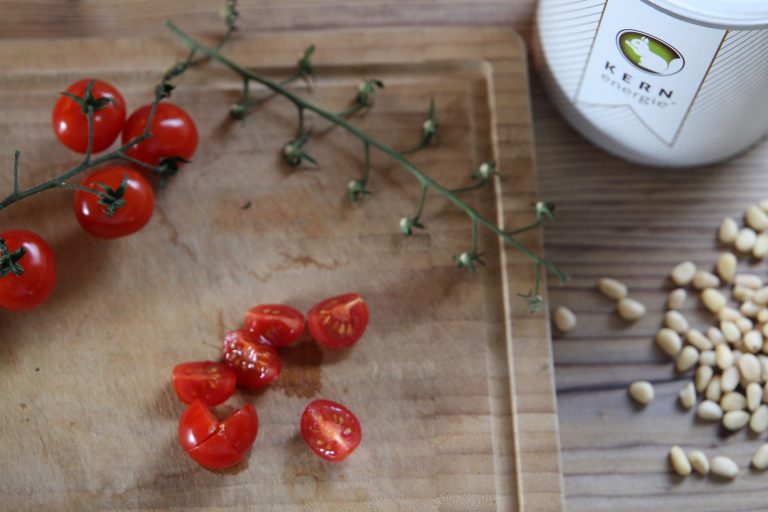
x=255 y=365
x=174 y=134
x=338 y=322
x=330 y=430
x=275 y=324
x=70 y=123
x=121 y=184
x=211 y=383
x=217 y=444
x=27 y=270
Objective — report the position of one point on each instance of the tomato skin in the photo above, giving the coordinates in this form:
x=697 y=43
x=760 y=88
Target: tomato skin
x=211 y=383
x=276 y=325
x=330 y=430
x=327 y=319
x=217 y=444
x=70 y=124
x=255 y=365
x=134 y=215
x=35 y=285
x=173 y=134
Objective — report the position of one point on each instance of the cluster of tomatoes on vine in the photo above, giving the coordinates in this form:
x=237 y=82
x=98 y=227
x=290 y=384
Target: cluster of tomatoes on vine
x=251 y=360
x=122 y=199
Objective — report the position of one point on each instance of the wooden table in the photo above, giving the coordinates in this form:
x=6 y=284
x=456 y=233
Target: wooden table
x=616 y=219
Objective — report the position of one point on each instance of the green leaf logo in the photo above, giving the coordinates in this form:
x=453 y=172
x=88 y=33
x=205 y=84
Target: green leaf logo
x=649 y=53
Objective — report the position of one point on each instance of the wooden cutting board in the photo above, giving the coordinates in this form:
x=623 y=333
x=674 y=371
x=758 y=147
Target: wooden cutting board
x=453 y=379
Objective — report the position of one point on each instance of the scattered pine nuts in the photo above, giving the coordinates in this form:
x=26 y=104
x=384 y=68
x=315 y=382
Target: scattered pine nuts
x=758 y=423
x=714 y=391
x=682 y=273
x=753 y=341
x=728 y=314
x=744 y=324
x=699 y=462
x=745 y=240
x=676 y=321
x=728 y=231
x=679 y=461
x=565 y=320
x=760 y=459
x=676 y=298
x=697 y=339
x=749 y=280
x=760 y=297
x=754 y=395
x=729 y=379
x=703 y=279
x=749 y=367
x=735 y=420
x=707 y=358
x=704 y=376
x=687 y=396
x=630 y=309
x=742 y=293
x=724 y=356
x=715 y=335
x=733 y=401
x=641 y=392
x=756 y=218
x=750 y=309
x=726 y=266
x=724 y=467
x=709 y=410
x=669 y=341
x=687 y=359
x=612 y=288
x=731 y=331
x=713 y=299
x=760 y=249
x=763 y=367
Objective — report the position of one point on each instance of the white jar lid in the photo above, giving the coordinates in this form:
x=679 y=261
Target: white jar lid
x=742 y=14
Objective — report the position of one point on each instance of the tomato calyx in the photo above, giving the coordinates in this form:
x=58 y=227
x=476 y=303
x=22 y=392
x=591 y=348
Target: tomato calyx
x=9 y=261
x=169 y=167
x=112 y=200
x=88 y=102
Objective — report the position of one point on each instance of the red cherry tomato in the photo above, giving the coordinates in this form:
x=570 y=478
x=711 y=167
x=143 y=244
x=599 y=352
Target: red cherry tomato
x=211 y=383
x=275 y=324
x=36 y=266
x=93 y=213
x=338 y=322
x=70 y=123
x=330 y=430
x=173 y=134
x=256 y=365
x=217 y=444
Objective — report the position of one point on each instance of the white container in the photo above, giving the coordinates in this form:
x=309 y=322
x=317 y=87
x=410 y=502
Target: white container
x=659 y=82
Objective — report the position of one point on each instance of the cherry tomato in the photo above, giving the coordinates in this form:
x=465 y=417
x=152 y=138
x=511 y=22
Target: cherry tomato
x=275 y=325
x=211 y=383
x=330 y=430
x=173 y=134
x=70 y=123
x=92 y=212
x=35 y=266
x=338 y=322
x=217 y=444
x=256 y=365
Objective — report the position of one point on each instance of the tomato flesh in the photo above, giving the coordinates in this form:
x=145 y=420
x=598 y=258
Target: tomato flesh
x=255 y=365
x=174 y=133
x=276 y=325
x=330 y=430
x=338 y=322
x=211 y=383
x=129 y=218
x=36 y=283
x=70 y=123
x=217 y=444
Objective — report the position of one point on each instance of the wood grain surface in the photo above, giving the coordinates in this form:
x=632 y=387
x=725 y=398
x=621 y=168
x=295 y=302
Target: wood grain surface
x=453 y=380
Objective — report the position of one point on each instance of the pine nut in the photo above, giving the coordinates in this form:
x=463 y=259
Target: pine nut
x=744 y=324
x=687 y=359
x=756 y=218
x=742 y=293
x=754 y=396
x=676 y=321
x=565 y=320
x=750 y=309
x=679 y=461
x=749 y=280
x=758 y=423
x=733 y=401
x=714 y=391
x=729 y=379
x=699 y=462
x=760 y=250
x=704 y=376
x=745 y=240
x=707 y=358
x=630 y=309
x=612 y=288
x=726 y=266
x=698 y=340
x=762 y=315
x=724 y=467
x=763 y=204
x=760 y=296
x=760 y=459
x=728 y=231
x=753 y=341
x=736 y=356
x=763 y=367
x=764 y=330
x=749 y=367
x=724 y=356
x=676 y=298
x=715 y=335
x=709 y=410
x=687 y=396
x=713 y=299
x=682 y=273
x=669 y=341
x=641 y=392
x=728 y=314
x=703 y=279
x=736 y=420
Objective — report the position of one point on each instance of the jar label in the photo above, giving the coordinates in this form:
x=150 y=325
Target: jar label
x=649 y=62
